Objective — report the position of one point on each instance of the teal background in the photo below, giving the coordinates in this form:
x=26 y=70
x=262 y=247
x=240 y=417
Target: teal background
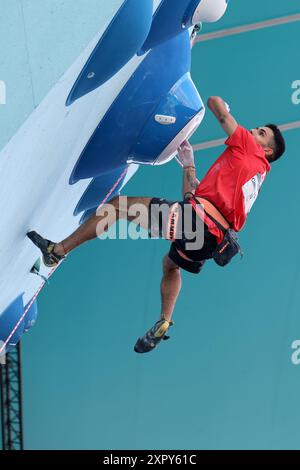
x=225 y=380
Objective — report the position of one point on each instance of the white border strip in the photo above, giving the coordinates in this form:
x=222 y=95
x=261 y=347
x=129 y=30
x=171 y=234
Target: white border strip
x=218 y=142
x=247 y=28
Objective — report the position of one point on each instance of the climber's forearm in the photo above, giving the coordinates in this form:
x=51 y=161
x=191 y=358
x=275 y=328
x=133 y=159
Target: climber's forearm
x=190 y=182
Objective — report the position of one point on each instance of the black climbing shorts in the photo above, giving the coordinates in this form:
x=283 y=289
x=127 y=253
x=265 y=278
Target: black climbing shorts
x=177 y=222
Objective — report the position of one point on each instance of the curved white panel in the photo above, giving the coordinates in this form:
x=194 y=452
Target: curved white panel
x=209 y=11
x=171 y=150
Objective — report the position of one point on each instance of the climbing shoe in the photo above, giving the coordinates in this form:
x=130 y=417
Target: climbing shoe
x=153 y=337
x=50 y=258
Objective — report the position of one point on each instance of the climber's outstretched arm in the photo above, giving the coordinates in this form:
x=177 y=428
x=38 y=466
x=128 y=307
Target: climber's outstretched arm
x=222 y=112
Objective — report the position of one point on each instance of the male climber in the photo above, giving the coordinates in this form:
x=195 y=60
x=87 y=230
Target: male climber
x=226 y=194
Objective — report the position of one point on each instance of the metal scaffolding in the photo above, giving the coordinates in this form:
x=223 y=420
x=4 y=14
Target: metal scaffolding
x=11 y=400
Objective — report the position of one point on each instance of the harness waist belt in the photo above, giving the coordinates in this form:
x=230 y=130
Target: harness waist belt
x=211 y=210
